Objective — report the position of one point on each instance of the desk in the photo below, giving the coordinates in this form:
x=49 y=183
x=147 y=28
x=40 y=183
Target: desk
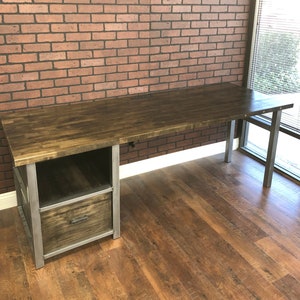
x=66 y=158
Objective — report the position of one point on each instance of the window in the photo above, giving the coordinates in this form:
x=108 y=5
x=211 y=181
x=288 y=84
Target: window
x=275 y=69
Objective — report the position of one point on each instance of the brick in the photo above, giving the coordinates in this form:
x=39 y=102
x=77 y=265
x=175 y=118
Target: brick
x=90 y=8
x=63 y=8
x=91 y=45
x=35 y=28
x=11 y=87
x=190 y=32
x=92 y=62
x=182 y=8
x=54 y=91
x=17 y=18
x=20 y=38
x=33 y=8
x=92 y=79
x=79 y=54
x=93 y=95
x=85 y=36
x=68 y=64
x=50 y=37
x=77 y=18
x=179 y=56
x=138 y=74
x=188 y=62
x=66 y=82
x=116 y=44
x=64 y=28
x=82 y=88
x=52 y=56
x=201 y=8
x=128 y=67
x=160 y=25
x=68 y=98
x=127 y=83
x=108 y=35
x=12 y=105
x=115 y=26
x=41 y=101
x=116 y=76
x=8 y=8
x=65 y=46
x=45 y=47
x=139 y=43
x=105 y=86
x=173 y=17
x=26 y=95
x=115 y=9
x=9 y=29
x=53 y=74
x=11 y=68
x=116 y=60
x=116 y=93
x=105 y=69
x=139 y=9
x=6 y=49
x=138 y=59
x=19 y=58
x=213 y=24
x=90 y=27
x=41 y=84
x=127 y=18
x=80 y=72
x=49 y=18
x=24 y=76
x=105 y=18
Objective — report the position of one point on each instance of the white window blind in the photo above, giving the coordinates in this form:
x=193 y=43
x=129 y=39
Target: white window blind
x=275 y=63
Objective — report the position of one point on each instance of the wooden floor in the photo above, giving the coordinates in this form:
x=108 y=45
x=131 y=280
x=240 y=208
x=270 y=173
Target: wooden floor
x=199 y=230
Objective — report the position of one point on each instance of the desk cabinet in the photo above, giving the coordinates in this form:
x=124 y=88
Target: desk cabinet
x=69 y=201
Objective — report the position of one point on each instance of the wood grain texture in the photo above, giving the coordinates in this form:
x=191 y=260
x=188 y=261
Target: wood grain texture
x=76 y=222
x=200 y=230
x=50 y=132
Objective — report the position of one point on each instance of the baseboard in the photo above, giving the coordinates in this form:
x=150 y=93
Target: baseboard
x=8 y=200
x=171 y=159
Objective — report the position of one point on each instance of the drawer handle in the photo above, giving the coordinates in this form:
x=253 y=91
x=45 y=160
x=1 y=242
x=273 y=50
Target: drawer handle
x=79 y=219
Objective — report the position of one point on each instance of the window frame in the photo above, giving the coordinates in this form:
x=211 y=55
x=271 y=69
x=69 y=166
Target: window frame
x=260 y=121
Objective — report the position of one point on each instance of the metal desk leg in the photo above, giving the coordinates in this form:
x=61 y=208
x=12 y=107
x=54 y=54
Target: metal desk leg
x=274 y=132
x=229 y=141
x=116 y=190
x=35 y=216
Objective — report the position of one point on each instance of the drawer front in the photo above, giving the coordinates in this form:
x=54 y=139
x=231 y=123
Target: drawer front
x=70 y=224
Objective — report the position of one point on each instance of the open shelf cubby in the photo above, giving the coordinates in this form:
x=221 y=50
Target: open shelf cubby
x=73 y=176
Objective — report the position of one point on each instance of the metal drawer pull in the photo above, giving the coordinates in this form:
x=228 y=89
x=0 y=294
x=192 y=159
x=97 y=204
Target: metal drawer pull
x=79 y=219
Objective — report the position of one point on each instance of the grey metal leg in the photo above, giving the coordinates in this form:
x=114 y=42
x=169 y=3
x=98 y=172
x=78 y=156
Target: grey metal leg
x=274 y=132
x=116 y=190
x=229 y=141
x=35 y=216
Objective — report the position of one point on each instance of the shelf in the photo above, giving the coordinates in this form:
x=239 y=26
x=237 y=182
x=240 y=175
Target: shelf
x=73 y=176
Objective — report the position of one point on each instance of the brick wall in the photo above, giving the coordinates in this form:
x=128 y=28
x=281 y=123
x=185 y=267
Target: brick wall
x=63 y=51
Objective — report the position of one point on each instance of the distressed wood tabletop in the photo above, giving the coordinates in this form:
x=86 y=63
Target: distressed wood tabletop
x=45 y=133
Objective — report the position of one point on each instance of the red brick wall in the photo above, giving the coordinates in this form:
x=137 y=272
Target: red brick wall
x=63 y=51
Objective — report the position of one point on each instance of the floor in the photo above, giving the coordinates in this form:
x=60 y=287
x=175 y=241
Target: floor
x=199 y=230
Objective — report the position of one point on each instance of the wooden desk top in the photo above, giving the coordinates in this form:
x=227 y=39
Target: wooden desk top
x=40 y=134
